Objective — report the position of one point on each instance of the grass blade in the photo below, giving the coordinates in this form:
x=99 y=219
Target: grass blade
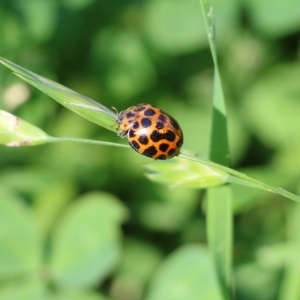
x=219 y=207
x=290 y=288
x=219 y=230
x=202 y=173
x=80 y=104
x=15 y=132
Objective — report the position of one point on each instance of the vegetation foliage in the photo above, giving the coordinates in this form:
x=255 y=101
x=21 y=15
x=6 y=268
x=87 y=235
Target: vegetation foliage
x=81 y=221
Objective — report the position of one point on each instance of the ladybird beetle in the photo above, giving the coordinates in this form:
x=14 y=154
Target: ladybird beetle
x=150 y=131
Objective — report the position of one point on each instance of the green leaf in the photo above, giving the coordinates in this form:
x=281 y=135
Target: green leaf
x=77 y=295
x=264 y=278
x=174 y=26
x=23 y=289
x=168 y=210
x=271 y=109
x=20 y=241
x=139 y=261
x=82 y=105
x=188 y=273
x=275 y=18
x=42 y=24
x=125 y=62
x=86 y=245
x=15 y=132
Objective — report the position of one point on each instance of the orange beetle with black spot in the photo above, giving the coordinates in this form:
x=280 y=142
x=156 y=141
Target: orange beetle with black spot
x=150 y=131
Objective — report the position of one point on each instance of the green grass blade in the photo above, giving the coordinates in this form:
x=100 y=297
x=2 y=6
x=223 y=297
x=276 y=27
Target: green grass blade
x=80 y=104
x=206 y=175
x=185 y=171
x=202 y=173
x=290 y=288
x=15 y=132
x=219 y=207
x=219 y=230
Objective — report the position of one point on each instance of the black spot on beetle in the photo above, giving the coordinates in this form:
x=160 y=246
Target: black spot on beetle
x=159 y=125
x=174 y=123
x=141 y=108
x=170 y=136
x=156 y=136
x=162 y=118
x=163 y=147
x=149 y=112
x=132 y=133
x=146 y=122
x=130 y=114
x=150 y=151
x=172 y=152
x=143 y=139
x=135 y=145
x=136 y=125
x=179 y=143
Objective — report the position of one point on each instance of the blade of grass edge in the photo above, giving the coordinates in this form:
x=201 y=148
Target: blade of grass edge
x=289 y=288
x=80 y=104
x=219 y=201
x=15 y=132
x=242 y=179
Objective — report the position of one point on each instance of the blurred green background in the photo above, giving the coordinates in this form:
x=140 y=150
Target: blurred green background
x=81 y=221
